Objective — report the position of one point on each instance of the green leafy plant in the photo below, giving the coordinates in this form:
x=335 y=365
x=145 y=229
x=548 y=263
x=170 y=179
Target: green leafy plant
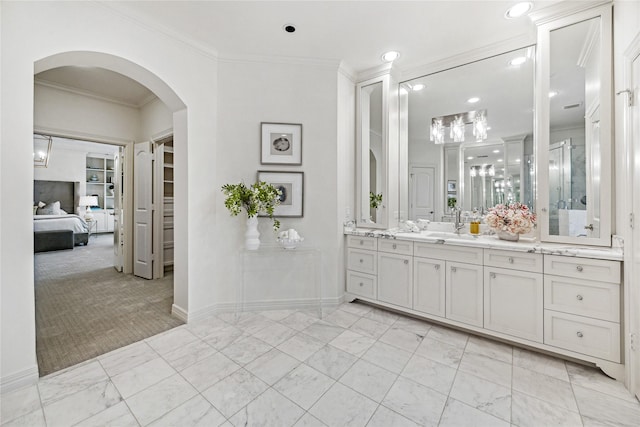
x=451 y=202
x=375 y=200
x=260 y=197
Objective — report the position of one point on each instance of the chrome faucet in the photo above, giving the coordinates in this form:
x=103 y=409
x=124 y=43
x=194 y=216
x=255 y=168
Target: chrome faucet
x=458 y=224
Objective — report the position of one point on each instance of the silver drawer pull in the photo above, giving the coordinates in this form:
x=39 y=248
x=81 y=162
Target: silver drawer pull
x=579 y=334
x=406 y=261
x=361 y=284
x=493 y=275
x=453 y=269
x=510 y=260
x=437 y=267
x=361 y=260
x=579 y=297
x=395 y=246
x=579 y=268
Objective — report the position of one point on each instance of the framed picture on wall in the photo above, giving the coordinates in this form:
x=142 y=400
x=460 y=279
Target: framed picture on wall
x=451 y=186
x=291 y=185
x=281 y=144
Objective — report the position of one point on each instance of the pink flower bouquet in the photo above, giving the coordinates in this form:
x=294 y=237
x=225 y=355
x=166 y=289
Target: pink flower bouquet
x=514 y=218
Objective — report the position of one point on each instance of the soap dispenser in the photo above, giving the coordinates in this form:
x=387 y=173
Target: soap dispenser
x=474 y=224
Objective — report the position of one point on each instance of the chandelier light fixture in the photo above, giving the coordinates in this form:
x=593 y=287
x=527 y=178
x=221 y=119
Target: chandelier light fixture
x=437 y=131
x=457 y=129
x=480 y=126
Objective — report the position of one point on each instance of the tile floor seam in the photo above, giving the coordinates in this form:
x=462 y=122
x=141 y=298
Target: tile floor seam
x=573 y=393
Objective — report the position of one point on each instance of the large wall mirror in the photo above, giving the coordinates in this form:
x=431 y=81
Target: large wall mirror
x=575 y=129
x=468 y=133
x=372 y=143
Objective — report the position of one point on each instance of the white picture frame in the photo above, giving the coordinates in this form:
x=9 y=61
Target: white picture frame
x=281 y=144
x=291 y=184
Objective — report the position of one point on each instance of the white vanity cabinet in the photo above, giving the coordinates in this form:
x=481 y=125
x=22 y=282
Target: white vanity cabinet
x=582 y=305
x=429 y=286
x=464 y=290
x=513 y=294
x=362 y=266
x=395 y=272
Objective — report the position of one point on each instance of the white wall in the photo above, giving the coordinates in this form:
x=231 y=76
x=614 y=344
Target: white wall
x=251 y=93
x=64 y=165
x=155 y=119
x=162 y=64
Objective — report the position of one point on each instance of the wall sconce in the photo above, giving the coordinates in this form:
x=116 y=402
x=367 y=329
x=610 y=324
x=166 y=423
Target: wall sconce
x=41 y=150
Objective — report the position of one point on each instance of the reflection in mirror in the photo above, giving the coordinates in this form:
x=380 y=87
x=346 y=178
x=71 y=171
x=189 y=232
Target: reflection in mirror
x=574 y=130
x=470 y=136
x=372 y=160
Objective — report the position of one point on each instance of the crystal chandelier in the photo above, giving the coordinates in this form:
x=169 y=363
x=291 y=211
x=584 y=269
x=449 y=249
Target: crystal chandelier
x=437 y=131
x=480 y=127
x=457 y=129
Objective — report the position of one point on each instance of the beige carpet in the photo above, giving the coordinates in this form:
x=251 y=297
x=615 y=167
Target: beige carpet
x=85 y=308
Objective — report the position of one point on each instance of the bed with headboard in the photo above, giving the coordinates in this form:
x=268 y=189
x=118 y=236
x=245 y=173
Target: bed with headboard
x=54 y=207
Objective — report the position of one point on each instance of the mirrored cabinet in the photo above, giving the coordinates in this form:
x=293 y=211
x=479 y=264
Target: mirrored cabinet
x=574 y=128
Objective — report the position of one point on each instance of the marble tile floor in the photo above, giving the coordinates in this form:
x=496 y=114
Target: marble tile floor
x=357 y=366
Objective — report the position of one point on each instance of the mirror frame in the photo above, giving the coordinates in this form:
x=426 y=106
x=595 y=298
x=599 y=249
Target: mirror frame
x=541 y=146
x=388 y=186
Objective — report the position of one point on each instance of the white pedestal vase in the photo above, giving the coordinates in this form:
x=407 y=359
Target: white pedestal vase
x=252 y=235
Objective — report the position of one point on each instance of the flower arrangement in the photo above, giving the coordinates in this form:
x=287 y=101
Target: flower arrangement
x=515 y=218
x=260 y=197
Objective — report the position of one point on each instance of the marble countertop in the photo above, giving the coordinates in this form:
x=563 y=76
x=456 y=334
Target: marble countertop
x=525 y=244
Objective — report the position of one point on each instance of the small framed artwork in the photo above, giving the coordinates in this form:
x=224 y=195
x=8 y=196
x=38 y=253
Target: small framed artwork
x=291 y=185
x=451 y=186
x=281 y=144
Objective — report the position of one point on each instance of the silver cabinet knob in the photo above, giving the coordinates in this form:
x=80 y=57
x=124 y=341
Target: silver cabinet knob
x=510 y=260
x=361 y=284
x=406 y=261
x=579 y=334
x=361 y=260
x=492 y=275
x=579 y=268
x=395 y=246
x=579 y=297
x=453 y=269
x=437 y=266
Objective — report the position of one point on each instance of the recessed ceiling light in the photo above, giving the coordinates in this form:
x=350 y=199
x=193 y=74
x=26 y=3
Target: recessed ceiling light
x=496 y=151
x=473 y=100
x=517 y=160
x=289 y=28
x=470 y=158
x=552 y=93
x=499 y=160
x=518 y=61
x=418 y=87
x=390 y=56
x=518 y=10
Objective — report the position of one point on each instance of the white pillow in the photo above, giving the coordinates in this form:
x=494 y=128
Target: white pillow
x=50 y=209
x=63 y=212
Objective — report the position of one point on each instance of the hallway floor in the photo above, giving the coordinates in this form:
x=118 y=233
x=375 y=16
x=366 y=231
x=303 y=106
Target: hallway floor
x=357 y=366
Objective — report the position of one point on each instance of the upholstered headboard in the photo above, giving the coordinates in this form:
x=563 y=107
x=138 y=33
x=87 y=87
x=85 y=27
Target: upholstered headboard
x=68 y=193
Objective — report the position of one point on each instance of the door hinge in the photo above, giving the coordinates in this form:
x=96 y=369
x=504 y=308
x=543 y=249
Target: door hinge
x=633 y=341
x=631 y=220
x=630 y=96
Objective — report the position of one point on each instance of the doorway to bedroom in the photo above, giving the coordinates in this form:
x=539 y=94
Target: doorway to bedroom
x=88 y=299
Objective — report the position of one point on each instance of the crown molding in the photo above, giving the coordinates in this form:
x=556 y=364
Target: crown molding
x=88 y=94
x=473 y=55
x=564 y=9
x=144 y=21
x=82 y=136
x=372 y=73
x=347 y=71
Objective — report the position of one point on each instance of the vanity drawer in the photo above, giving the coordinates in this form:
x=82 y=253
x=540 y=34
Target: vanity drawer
x=582 y=268
x=513 y=260
x=400 y=247
x=448 y=253
x=362 y=261
x=370 y=243
x=361 y=284
x=600 y=300
x=597 y=338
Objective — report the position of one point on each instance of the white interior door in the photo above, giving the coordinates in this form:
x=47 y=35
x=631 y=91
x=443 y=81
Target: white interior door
x=143 y=211
x=634 y=304
x=422 y=188
x=118 y=217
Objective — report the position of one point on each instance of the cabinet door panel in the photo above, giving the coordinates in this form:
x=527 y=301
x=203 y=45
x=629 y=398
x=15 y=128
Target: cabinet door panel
x=395 y=279
x=429 y=286
x=513 y=303
x=464 y=293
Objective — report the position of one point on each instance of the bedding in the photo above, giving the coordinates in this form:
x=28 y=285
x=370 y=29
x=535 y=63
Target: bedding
x=60 y=222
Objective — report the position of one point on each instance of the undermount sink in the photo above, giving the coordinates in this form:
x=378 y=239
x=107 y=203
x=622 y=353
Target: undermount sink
x=447 y=235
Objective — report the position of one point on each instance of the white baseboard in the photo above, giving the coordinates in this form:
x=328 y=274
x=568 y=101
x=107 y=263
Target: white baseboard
x=20 y=379
x=227 y=307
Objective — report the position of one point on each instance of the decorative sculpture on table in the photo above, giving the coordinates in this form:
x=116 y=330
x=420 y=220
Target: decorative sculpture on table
x=259 y=198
